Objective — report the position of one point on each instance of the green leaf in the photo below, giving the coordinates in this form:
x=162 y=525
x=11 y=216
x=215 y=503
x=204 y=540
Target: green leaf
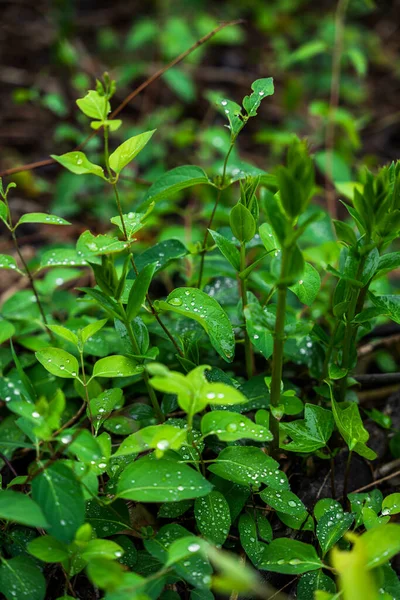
x=48 y=549
x=173 y=181
x=245 y=465
x=139 y=290
x=261 y=89
x=351 y=428
x=112 y=124
x=58 y=362
x=309 y=583
x=101 y=549
x=8 y=262
x=21 y=579
x=116 y=366
x=249 y=538
x=89 y=245
x=65 y=333
x=331 y=528
x=60 y=497
x=90 y=330
x=257 y=328
x=107 y=520
x=162 y=254
x=227 y=249
x=381 y=544
x=231 y=110
x=230 y=426
x=391 y=504
x=7 y=330
x=102 y=406
x=132 y=221
x=62 y=257
x=242 y=223
x=173 y=481
x=42 y=218
x=290 y=557
x=345 y=233
x=161 y=437
x=389 y=305
x=197 y=305
x=94 y=105
x=78 y=163
x=311 y=433
x=307 y=288
x=127 y=151
x=213 y=517
x=283 y=501
x=19 y=508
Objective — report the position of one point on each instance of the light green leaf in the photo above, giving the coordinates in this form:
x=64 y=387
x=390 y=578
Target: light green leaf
x=245 y=465
x=89 y=245
x=19 y=508
x=311 y=433
x=197 y=305
x=42 y=218
x=78 y=163
x=60 y=497
x=127 y=151
x=389 y=304
x=351 y=428
x=173 y=481
x=116 y=366
x=227 y=249
x=102 y=406
x=261 y=89
x=62 y=257
x=139 y=291
x=21 y=579
x=173 y=181
x=231 y=110
x=101 y=549
x=307 y=288
x=257 y=326
x=213 y=517
x=8 y=262
x=65 y=333
x=58 y=362
x=7 y=330
x=48 y=549
x=132 y=221
x=161 y=437
x=289 y=556
x=391 y=504
x=94 y=106
x=283 y=501
x=381 y=544
x=112 y=124
x=230 y=426
x=90 y=330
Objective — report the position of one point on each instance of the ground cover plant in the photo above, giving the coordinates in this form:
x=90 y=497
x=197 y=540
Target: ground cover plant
x=165 y=398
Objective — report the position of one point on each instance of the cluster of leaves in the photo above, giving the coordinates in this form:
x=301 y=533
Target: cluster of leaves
x=128 y=409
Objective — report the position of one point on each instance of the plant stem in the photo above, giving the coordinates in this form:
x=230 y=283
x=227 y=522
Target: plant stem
x=210 y=222
x=346 y=475
x=279 y=338
x=86 y=393
x=146 y=378
x=248 y=348
x=32 y=283
x=151 y=305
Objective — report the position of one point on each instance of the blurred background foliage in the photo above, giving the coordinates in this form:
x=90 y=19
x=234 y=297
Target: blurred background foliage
x=53 y=51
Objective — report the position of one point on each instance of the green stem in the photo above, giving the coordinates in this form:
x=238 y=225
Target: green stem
x=84 y=381
x=146 y=378
x=150 y=303
x=279 y=339
x=248 y=348
x=346 y=475
x=210 y=222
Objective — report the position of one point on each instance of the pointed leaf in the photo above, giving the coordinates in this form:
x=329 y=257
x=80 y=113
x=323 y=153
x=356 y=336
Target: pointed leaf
x=127 y=151
x=78 y=163
x=290 y=557
x=213 y=517
x=173 y=181
x=230 y=426
x=19 y=508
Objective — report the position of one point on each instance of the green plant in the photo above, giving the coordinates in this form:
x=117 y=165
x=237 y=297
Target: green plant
x=142 y=396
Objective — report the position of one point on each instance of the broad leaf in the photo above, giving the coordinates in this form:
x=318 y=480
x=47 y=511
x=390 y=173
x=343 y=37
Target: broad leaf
x=213 y=517
x=48 y=549
x=7 y=330
x=58 y=362
x=307 y=288
x=94 y=105
x=283 y=501
x=230 y=426
x=349 y=422
x=19 y=508
x=311 y=433
x=21 y=579
x=257 y=326
x=42 y=218
x=60 y=497
x=62 y=257
x=173 y=181
x=245 y=465
x=290 y=557
x=309 y=583
x=331 y=528
x=161 y=254
x=149 y=480
x=197 y=305
x=131 y=223
x=116 y=366
x=381 y=544
x=227 y=249
x=8 y=262
x=78 y=163
x=261 y=89
x=160 y=437
x=128 y=150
